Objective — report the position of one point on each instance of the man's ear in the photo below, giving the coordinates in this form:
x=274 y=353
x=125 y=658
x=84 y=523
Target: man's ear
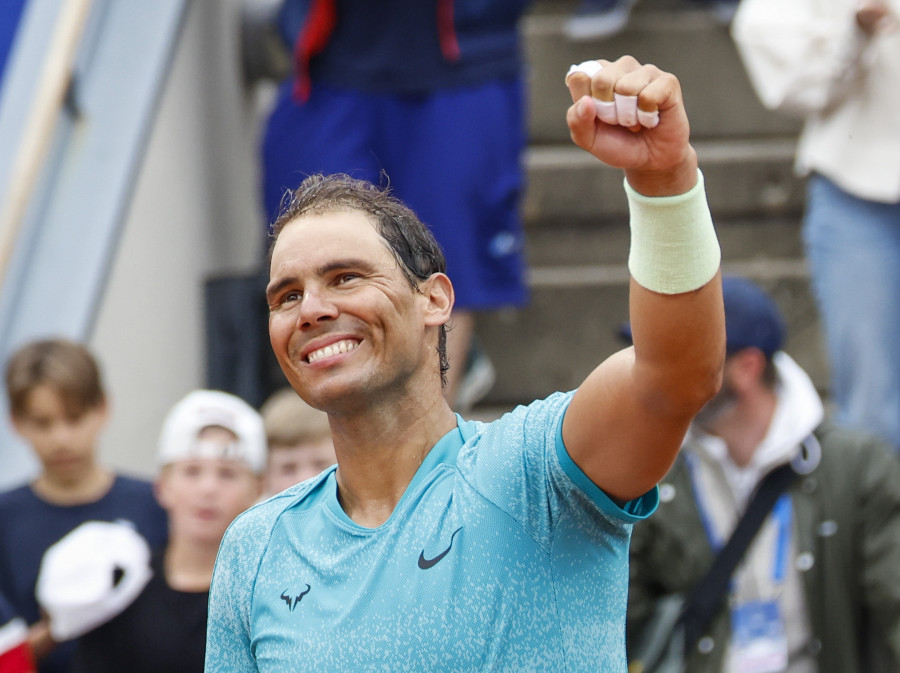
x=438 y=292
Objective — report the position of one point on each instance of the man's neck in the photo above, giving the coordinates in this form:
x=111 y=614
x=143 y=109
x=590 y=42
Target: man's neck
x=379 y=452
x=87 y=487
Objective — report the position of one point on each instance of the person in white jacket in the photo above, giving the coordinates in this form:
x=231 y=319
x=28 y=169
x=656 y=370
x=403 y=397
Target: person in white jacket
x=836 y=64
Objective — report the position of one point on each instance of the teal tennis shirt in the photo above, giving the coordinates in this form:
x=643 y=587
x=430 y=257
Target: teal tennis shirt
x=500 y=556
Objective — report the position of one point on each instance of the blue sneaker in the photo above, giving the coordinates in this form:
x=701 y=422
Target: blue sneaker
x=598 y=19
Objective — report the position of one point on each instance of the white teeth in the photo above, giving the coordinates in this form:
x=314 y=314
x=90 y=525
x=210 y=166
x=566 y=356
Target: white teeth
x=332 y=349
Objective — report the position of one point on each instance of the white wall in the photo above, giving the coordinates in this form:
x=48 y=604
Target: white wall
x=194 y=214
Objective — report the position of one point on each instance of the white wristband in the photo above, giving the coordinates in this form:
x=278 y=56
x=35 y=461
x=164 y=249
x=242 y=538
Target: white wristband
x=674 y=248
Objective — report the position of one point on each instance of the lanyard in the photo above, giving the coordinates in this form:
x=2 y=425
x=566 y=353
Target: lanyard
x=782 y=513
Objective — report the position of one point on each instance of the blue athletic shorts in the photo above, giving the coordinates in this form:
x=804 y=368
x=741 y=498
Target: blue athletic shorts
x=454 y=157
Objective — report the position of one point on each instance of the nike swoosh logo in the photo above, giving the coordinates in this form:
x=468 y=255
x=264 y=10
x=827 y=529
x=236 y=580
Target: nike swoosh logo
x=426 y=563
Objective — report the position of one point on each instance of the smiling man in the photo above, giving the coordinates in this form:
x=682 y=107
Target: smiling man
x=445 y=545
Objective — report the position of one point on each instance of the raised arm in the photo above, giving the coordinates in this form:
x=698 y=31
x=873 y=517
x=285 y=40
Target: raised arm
x=628 y=419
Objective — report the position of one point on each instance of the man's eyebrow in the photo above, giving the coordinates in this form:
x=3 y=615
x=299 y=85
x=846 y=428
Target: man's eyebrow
x=344 y=264
x=273 y=290
x=335 y=265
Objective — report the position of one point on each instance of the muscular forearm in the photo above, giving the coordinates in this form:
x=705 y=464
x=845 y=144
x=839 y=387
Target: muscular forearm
x=676 y=311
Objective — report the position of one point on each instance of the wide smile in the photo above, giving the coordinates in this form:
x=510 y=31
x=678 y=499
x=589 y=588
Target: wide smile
x=343 y=346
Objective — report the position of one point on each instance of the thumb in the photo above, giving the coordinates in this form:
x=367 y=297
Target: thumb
x=581 y=117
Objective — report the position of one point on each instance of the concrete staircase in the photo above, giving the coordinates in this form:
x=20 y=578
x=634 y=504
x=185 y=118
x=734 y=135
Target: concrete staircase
x=575 y=210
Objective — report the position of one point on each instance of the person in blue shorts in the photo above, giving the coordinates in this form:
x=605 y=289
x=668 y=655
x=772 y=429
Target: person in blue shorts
x=58 y=405
x=442 y=544
x=429 y=98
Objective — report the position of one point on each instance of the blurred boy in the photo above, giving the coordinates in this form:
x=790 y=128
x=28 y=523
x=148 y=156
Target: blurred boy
x=58 y=405
x=212 y=452
x=299 y=439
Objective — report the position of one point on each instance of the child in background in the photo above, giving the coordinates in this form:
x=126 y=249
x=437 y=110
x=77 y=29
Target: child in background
x=212 y=452
x=299 y=439
x=58 y=405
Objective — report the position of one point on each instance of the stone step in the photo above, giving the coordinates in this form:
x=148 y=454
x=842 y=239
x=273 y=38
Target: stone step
x=570 y=325
x=683 y=40
x=743 y=177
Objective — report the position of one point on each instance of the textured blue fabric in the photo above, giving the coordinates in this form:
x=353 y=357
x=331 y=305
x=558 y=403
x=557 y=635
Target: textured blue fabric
x=498 y=557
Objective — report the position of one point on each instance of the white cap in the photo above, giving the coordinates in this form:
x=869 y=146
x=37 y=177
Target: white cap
x=91 y=575
x=202 y=409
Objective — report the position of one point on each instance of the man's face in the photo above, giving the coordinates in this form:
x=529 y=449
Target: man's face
x=343 y=318
x=64 y=445
x=289 y=465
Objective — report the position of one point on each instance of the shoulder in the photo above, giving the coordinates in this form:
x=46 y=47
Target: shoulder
x=857 y=461
x=250 y=531
x=523 y=438
x=843 y=448
x=127 y=485
x=17 y=496
x=133 y=495
x=541 y=417
x=244 y=547
x=836 y=438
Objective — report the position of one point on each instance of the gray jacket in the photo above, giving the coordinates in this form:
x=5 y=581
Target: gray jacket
x=847 y=518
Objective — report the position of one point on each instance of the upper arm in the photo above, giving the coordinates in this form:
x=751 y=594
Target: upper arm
x=627 y=420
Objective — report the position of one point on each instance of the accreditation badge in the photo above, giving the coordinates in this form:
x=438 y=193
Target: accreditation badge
x=758 y=640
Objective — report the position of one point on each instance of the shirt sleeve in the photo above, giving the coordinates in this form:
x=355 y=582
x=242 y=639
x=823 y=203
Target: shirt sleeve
x=520 y=463
x=228 y=636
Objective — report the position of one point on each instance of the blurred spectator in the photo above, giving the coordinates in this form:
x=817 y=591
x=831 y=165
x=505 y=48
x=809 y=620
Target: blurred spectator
x=59 y=407
x=818 y=588
x=212 y=453
x=299 y=441
x=836 y=65
x=416 y=95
